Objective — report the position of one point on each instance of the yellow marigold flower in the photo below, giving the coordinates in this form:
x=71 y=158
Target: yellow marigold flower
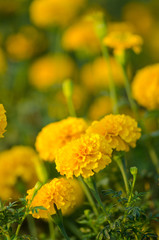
x=100 y=107
x=3 y=120
x=17 y=171
x=56 y=135
x=95 y=75
x=121 y=41
x=120 y=131
x=83 y=156
x=45 y=13
x=145 y=87
x=46 y=71
x=81 y=36
x=64 y=193
x=25 y=44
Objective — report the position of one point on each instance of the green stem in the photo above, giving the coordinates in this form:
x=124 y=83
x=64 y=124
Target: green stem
x=88 y=195
x=58 y=219
x=123 y=172
x=112 y=88
x=131 y=191
x=71 y=107
x=51 y=229
x=19 y=226
x=128 y=90
x=153 y=156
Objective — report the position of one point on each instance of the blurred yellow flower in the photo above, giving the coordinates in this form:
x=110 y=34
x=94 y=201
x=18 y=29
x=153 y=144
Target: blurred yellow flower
x=83 y=156
x=65 y=194
x=9 y=7
x=81 y=36
x=46 y=13
x=95 y=75
x=51 y=69
x=145 y=87
x=139 y=15
x=3 y=63
x=100 y=107
x=3 y=120
x=56 y=135
x=17 y=172
x=120 y=41
x=120 y=131
x=25 y=44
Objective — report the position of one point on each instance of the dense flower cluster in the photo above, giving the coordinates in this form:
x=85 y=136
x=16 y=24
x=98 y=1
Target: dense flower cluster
x=56 y=135
x=46 y=71
x=45 y=13
x=17 y=171
x=83 y=156
x=145 y=87
x=121 y=41
x=120 y=131
x=3 y=120
x=65 y=194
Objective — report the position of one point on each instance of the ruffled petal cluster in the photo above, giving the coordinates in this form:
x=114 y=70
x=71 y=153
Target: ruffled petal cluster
x=145 y=87
x=3 y=120
x=17 y=171
x=56 y=135
x=83 y=156
x=65 y=194
x=120 y=41
x=120 y=131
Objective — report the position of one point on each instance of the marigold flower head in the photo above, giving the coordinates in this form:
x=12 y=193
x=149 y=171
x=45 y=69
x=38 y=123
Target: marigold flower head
x=17 y=166
x=56 y=135
x=81 y=36
x=120 y=131
x=145 y=87
x=46 y=71
x=46 y=13
x=95 y=75
x=3 y=120
x=65 y=194
x=121 y=41
x=83 y=156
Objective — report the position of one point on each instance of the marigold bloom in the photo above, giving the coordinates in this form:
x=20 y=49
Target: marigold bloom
x=81 y=36
x=95 y=75
x=56 y=135
x=120 y=131
x=121 y=41
x=17 y=169
x=46 y=13
x=145 y=87
x=83 y=156
x=3 y=120
x=46 y=71
x=66 y=194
